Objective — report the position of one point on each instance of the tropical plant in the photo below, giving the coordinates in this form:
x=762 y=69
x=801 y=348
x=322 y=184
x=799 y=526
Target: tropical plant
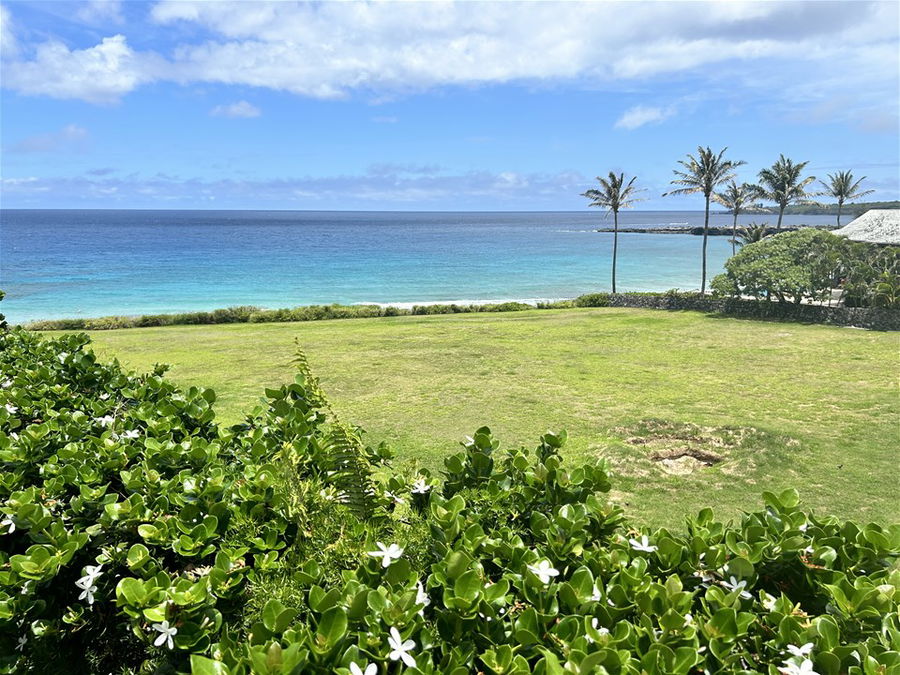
x=751 y=234
x=791 y=267
x=869 y=274
x=703 y=174
x=842 y=187
x=139 y=536
x=735 y=198
x=782 y=183
x=614 y=194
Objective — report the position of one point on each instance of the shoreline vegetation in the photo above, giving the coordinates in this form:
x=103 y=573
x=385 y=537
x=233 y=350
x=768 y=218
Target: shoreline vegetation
x=712 y=231
x=669 y=300
x=253 y=314
x=856 y=209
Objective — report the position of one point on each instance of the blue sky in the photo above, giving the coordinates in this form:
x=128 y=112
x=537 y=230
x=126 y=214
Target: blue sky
x=432 y=106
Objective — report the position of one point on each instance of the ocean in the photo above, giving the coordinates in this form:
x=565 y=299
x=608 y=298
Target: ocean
x=56 y=263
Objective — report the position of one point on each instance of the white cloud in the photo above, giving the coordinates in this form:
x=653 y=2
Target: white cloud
x=8 y=44
x=806 y=50
x=70 y=136
x=100 y=12
x=383 y=186
x=639 y=115
x=239 y=109
x=99 y=74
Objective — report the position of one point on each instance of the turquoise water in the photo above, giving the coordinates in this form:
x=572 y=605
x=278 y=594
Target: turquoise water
x=57 y=264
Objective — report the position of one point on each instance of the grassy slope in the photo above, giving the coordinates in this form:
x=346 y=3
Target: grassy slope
x=824 y=400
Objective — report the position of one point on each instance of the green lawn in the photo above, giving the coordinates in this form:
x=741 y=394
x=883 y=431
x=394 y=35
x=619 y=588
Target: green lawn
x=780 y=404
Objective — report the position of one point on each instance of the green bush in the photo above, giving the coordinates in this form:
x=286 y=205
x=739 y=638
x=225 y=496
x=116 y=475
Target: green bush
x=136 y=535
x=808 y=264
x=789 y=267
x=592 y=300
x=870 y=275
x=248 y=314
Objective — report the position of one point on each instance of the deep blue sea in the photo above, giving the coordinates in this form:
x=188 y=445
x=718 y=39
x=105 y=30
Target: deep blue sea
x=57 y=264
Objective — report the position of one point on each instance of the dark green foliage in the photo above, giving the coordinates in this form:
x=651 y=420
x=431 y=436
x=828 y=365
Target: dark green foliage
x=592 y=300
x=808 y=264
x=243 y=543
x=788 y=267
x=854 y=209
x=870 y=275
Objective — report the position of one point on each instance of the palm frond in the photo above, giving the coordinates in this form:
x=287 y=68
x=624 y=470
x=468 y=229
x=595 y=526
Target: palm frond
x=614 y=193
x=704 y=172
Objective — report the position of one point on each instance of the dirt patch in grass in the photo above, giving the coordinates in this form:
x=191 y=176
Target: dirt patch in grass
x=681 y=449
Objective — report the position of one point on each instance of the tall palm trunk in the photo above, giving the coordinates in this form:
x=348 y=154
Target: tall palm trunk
x=780 y=214
x=705 y=235
x=615 y=247
x=840 y=204
x=734 y=234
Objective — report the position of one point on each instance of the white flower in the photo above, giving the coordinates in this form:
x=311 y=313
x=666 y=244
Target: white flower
x=734 y=585
x=131 y=433
x=803 y=527
x=6 y=384
x=422 y=597
x=642 y=545
x=768 y=603
x=190 y=485
x=62 y=356
x=88 y=594
x=705 y=576
x=397 y=500
x=688 y=619
x=802 y=651
x=91 y=574
x=400 y=649
x=388 y=554
x=370 y=669
x=420 y=487
x=11 y=526
x=595 y=596
x=544 y=571
x=166 y=633
x=11 y=409
x=603 y=630
x=791 y=668
x=23 y=640
x=106 y=420
x=104 y=396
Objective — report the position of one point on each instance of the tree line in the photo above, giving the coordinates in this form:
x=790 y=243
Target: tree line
x=713 y=175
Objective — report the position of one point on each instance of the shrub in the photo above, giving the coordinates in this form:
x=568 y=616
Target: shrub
x=870 y=275
x=592 y=300
x=790 y=266
x=138 y=535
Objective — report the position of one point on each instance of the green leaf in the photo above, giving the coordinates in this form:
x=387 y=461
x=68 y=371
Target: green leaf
x=468 y=586
x=200 y=665
x=331 y=628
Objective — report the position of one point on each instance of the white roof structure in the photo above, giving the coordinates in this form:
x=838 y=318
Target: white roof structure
x=876 y=226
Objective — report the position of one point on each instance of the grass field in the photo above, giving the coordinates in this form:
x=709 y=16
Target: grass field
x=691 y=410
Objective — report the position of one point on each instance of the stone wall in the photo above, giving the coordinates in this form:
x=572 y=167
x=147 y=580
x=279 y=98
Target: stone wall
x=862 y=317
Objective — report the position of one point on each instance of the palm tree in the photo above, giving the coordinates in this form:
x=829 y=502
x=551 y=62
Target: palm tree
x=734 y=198
x=703 y=173
x=751 y=234
x=841 y=187
x=781 y=183
x=614 y=194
